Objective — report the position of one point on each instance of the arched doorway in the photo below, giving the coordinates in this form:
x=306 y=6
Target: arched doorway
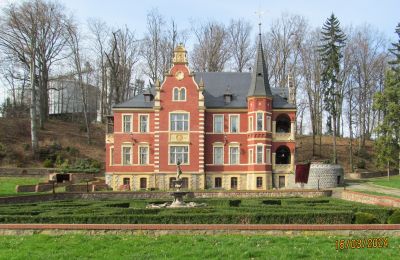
x=282 y=155
x=283 y=123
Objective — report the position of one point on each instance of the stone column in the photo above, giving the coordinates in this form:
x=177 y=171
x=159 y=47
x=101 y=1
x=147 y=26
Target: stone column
x=292 y=130
x=273 y=129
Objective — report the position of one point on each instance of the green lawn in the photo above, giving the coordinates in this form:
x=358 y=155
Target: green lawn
x=187 y=247
x=7 y=184
x=393 y=182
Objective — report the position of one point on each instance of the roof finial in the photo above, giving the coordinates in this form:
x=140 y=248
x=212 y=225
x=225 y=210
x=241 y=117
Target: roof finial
x=259 y=13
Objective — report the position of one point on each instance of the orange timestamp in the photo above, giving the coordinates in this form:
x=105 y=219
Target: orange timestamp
x=374 y=242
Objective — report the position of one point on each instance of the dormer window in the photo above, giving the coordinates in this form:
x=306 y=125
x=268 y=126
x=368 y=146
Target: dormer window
x=228 y=96
x=179 y=94
x=148 y=96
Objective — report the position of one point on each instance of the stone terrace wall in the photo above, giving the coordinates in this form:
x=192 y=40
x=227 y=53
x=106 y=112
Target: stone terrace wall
x=162 y=195
x=370 y=199
x=25 y=172
x=25 y=188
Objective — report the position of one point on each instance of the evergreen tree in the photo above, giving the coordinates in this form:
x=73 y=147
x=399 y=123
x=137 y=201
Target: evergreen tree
x=388 y=143
x=333 y=40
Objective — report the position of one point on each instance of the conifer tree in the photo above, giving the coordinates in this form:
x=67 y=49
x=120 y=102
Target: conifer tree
x=333 y=40
x=388 y=101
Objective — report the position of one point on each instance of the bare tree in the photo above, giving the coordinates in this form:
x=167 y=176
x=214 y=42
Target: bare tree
x=100 y=35
x=19 y=37
x=122 y=56
x=241 y=48
x=282 y=43
x=75 y=45
x=310 y=70
x=212 y=49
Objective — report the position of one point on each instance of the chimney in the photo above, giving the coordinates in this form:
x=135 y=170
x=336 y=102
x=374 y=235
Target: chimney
x=291 y=90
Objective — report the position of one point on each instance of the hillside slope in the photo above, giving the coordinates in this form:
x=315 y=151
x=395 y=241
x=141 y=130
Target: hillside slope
x=304 y=151
x=15 y=139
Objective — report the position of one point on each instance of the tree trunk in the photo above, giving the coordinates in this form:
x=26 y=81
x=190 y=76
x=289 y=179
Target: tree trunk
x=33 y=109
x=334 y=140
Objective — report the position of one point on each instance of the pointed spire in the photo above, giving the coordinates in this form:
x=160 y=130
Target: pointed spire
x=259 y=80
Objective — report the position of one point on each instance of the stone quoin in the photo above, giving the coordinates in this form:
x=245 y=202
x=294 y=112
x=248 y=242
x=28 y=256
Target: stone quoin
x=229 y=130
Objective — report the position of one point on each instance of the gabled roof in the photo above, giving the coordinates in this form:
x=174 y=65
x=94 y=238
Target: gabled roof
x=259 y=86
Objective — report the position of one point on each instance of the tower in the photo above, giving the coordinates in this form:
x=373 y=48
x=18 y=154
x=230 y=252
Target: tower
x=259 y=106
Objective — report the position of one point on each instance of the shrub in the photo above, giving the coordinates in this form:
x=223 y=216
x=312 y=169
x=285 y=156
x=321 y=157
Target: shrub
x=48 y=163
x=234 y=203
x=361 y=164
x=272 y=202
x=394 y=218
x=365 y=218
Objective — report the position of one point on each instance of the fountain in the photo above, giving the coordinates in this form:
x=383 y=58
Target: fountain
x=178 y=195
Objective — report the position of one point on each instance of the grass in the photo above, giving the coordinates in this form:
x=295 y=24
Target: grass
x=377 y=193
x=393 y=182
x=186 y=247
x=7 y=184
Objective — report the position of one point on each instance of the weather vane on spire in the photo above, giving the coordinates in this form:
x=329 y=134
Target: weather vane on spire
x=259 y=13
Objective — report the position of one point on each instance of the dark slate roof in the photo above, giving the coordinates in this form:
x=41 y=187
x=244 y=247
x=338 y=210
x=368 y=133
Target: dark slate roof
x=216 y=85
x=137 y=102
x=259 y=80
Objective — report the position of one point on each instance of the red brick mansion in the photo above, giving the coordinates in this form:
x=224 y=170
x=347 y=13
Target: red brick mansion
x=229 y=130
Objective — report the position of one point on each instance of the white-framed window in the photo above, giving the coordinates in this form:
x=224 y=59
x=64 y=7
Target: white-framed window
x=111 y=155
x=144 y=123
x=250 y=123
x=233 y=155
x=218 y=155
x=268 y=156
x=175 y=94
x=218 y=123
x=179 y=94
x=179 y=122
x=234 y=123
x=127 y=123
x=182 y=94
x=251 y=156
x=268 y=124
x=143 y=155
x=179 y=154
x=126 y=155
x=260 y=154
x=260 y=123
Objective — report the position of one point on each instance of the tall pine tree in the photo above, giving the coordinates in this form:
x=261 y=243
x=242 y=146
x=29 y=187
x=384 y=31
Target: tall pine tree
x=388 y=143
x=333 y=40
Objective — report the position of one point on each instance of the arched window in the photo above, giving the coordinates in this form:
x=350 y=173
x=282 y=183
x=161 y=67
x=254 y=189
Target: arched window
x=282 y=155
x=182 y=95
x=283 y=123
x=176 y=94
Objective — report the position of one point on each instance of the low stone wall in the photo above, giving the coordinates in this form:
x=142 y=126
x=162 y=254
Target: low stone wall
x=324 y=176
x=25 y=172
x=161 y=195
x=25 y=188
x=385 y=230
x=370 y=199
x=78 y=188
x=367 y=174
x=81 y=177
x=43 y=187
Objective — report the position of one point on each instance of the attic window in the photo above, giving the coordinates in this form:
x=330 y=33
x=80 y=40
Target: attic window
x=228 y=96
x=148 y=96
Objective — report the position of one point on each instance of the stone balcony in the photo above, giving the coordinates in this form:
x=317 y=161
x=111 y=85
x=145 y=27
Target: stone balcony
x=283 y=137
x=282 y=168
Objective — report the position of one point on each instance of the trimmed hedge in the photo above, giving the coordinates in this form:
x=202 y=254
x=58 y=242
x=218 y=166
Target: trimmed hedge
x=394 y=218
x=337 y=217
x=365 y=218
